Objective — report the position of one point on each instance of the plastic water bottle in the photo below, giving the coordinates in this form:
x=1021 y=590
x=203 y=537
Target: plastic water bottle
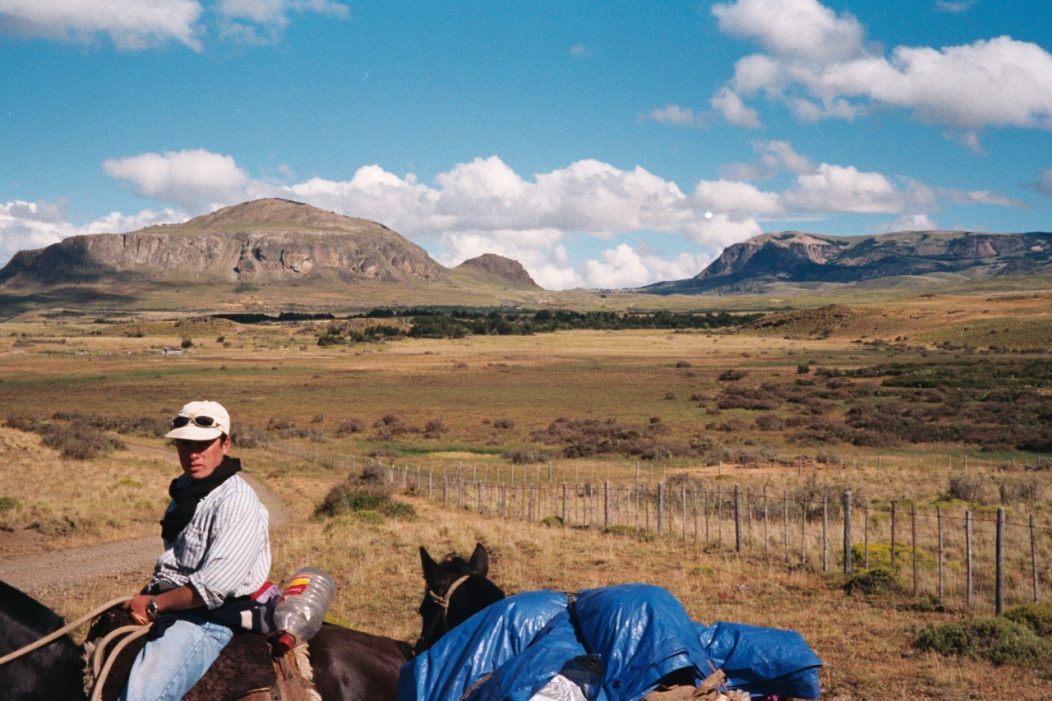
x=301 y=608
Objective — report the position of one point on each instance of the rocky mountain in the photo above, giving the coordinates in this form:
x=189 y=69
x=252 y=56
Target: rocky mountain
x=265 y=241
x=500 y=269
x=795 y=257
x=265 y=254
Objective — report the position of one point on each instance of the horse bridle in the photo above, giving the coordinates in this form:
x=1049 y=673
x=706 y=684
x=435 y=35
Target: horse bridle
x=443 y=603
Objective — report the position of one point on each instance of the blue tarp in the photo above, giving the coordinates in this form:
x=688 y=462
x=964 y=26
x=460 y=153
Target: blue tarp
x=616 y=643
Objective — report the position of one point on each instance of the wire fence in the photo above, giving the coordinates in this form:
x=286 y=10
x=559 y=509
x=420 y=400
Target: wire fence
x=981 y=557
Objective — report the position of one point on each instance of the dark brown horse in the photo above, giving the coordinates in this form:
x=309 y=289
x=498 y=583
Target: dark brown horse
x=456 y=589
x=349 y=665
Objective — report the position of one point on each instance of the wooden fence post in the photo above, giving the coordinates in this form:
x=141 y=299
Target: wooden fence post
x=566 y=516
x=1033 y=557
x=865 y=536
x=683 y=504
x=785 y=524
x=825 y=534
x=969 y=580
x=847 y=532
x=766 y=542
x=894 y=562
x=606 y=505
x=719 y=516
x=938 y=518
x=803 y=533
x=999 y=575
x=737 y=518
x=661 y=509
x=913 y=538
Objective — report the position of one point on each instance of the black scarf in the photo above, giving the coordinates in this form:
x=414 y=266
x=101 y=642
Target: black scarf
x=186 y=493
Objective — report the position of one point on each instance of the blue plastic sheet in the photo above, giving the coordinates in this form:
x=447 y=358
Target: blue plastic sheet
x=615 y=643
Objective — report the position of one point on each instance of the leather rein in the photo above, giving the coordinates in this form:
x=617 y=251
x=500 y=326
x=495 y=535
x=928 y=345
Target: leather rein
x=443 y=603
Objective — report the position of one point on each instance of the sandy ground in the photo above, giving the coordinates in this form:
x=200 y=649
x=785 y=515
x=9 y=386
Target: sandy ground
x=54 y=572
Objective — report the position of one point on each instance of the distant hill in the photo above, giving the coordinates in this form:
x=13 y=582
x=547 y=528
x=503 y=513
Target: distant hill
x=754 y=266
x=499 y=270
x=261 y=253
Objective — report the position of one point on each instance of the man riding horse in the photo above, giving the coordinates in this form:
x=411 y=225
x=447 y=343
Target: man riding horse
x=216 y=556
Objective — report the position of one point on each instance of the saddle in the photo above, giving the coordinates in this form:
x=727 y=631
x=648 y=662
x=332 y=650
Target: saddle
x=245 y=671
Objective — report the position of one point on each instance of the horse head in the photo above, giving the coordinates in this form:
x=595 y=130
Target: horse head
x=455 y=590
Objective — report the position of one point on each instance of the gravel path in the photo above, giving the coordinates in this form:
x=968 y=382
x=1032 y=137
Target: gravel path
x=56 y=571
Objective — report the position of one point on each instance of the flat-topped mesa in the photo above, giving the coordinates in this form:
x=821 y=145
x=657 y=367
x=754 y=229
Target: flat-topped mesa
x=271 y=240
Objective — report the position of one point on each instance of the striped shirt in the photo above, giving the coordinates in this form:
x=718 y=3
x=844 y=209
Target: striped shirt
x=224 y=551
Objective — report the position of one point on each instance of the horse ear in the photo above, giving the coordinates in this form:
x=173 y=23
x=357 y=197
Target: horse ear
x=429 y=566
x=480 y=560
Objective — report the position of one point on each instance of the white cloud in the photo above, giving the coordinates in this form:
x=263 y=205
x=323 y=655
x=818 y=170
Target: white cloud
x=623 y=266
x=954 y=6
x=131 y=25
x=1045 y=183
x=195 y=179
x=33 y=225
x=135 y=25
x=793 y=28
x=484 y=206
x=819 y=65
x=680 y=116
x=834 y=188
x=730 y=105
x=579 y=51
x=776 y=157
x=262 y=21
x=907 y=222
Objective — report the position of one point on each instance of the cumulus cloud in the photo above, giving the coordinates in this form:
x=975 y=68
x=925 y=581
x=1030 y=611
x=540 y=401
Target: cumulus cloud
x=775 y=158
x=954 y=6
x=262 y=21
x=131 y=25
x=31 y=225
x=135 y=25
x=484 y=206
x=833 y=188
x=680 y=116
x=1044 y=184
x=195 y=179
x=729 y=104
x=907 y=222
x=819 y=64
x=623 y=266
x=579 y=51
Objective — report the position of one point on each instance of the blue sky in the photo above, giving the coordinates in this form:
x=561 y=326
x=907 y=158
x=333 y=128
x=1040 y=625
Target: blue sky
x=602 y=144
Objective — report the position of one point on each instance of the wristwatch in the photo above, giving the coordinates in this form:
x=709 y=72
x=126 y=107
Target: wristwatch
x=151 y=608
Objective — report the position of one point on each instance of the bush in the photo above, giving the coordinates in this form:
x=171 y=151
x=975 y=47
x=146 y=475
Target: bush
x=876 y=580
x=1036 y=616
x=350 y=426
x=730 y=375
x=997 y=640
x=353 y=496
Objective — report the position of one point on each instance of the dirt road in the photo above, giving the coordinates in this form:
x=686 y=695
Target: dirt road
x=53 y=572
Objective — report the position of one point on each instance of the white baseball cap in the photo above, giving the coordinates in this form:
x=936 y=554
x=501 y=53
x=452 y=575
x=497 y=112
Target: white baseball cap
x=200 y=421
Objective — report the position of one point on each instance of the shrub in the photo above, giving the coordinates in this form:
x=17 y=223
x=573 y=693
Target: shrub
x=552 y=521
x=965 y=487
x=187 y=342
x=503 y=423
x=350 y=426
x=1036 y=616
x=8 y=503
x=352 y=496
x=730 y=375
x=997 y=640
x=876 y=580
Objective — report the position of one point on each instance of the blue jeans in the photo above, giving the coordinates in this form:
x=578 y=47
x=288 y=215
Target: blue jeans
x=178 y=652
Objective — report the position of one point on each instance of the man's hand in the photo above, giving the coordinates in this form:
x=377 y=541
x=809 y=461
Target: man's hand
x=136 y=607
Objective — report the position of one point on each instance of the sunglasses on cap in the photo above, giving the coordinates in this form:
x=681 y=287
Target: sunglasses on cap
x=201 y=421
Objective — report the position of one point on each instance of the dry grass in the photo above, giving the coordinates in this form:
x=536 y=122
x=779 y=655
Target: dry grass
x=493 y=395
